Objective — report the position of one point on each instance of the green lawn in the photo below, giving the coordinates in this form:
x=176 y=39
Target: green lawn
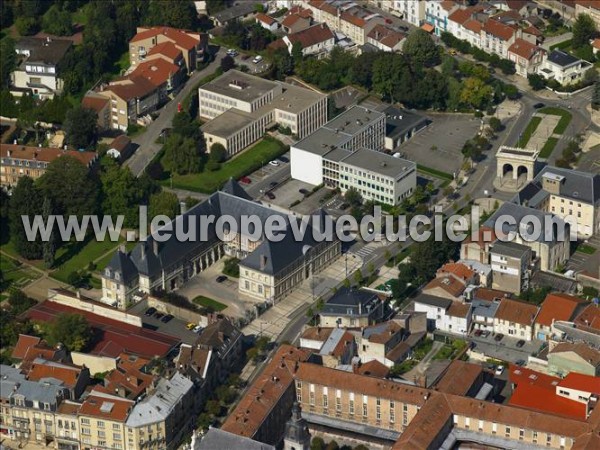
x=76 y=256
x=548 y=147
x=209 y=303
x=15 y=274
x=587 y=249
x=122 y=64
x=245 y=163
x=449 y=351
x=434 y=172
x=531 y=127
x=565 y=118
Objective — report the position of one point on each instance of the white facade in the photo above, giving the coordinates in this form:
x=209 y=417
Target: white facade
x=413 y=11
x=315 y=49
x=513 y=329
x=455 y=324
x=564 y=74
x=306 y=166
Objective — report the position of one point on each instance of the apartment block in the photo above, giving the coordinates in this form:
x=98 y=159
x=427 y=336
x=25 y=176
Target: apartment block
x=19 y=161
x=38 y=67
x=241 y=107
x=510 y=266
x=515 y=318
x=437 y=12
x=102 y=420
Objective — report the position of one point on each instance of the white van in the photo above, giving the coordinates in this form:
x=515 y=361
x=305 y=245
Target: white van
x=257 y=59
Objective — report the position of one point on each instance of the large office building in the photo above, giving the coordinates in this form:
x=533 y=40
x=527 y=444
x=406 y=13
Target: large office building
x=240 y=107
x=348 y=153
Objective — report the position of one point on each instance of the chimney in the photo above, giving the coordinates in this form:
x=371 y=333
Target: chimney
x=9 y=153
x=15 y=142
x=143 y=250
x=183 y=207
x=263 y=262
x=122 y=248
x=78 y=294
x=155 y=247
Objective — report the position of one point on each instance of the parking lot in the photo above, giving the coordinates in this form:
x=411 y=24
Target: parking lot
x=580 y=261
x=175 y=327
x=267 y=177
x=505 y=349
x=439 y=145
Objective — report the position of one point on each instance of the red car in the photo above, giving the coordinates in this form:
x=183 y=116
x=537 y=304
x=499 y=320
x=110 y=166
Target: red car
x=245 y=180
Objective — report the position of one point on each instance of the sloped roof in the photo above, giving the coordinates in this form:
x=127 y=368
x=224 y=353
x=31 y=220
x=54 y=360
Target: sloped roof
x=94 y=102
x=516 y=312
x=121 y=263
x=581 y=349
x=312 y=35
x=102 y=406
x=523 y=49
x=498 y=29
x=66 y=373
x=44 y=154
x=265 y=19
x=459 y=378
x=232 y=187
x=558 y=306
x=133 y=87
x=167 y=49
x=157 y=71
x=374 y=369
x=589 y=318
x=180 y=37
x=581 y=382
x=23 y=344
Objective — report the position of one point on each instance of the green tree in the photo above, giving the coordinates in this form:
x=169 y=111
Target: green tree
x=57 y=21
x=283 y=64
x=171 y=13
x=297 y=54
x=495 y=124
x=218 y=153
x=8 y=61
x=353 y=197
x=72 y=330
x=19 y=302
x=49 y=247
x=227 y=63
x=163 y=203
x=421 y=48
x=26 y=26
x=317 y=443
x=476 y=93
x=181 y=155
x=584 y=29
x=507 y=67
x=25 y=201
x=81 y=126
x=537 y=82
x=70 y=187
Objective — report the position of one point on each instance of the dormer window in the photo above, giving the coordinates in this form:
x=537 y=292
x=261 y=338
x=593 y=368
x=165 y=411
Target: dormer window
x=117 y=276
x=107 y=272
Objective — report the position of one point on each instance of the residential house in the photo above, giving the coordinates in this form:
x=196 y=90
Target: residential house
x=267 y=22
x=239 y=11
x=551 y=247
x=72 y=377
x=164 y=75
x=483 y=271
x=120 y=148
x=315 y=40
x=38 y=67
x=102 y=420
x=351 y=308
x=457 y=319
x=264 y=409
x=298 y=19
x=563 y=67
x=161 y=418
x=515 y=318
x=170 y=41
x=130 y=379
x=377 y=341
x=464 y=24
x=527 y=57
x=197 y=363
x=589 y=319
x=413 y=11
x=510 y=266
x=483 y=313
x=437 y=13
x=596 y=46
x=386 y=38
x=570 y=194
x=497 y=38
x=67 y=435
x=556 y=307
x=581 y=388
x=435 y=308
x=567 y=357
x=338 y=349
x=313 y=338
x=121 y=280
x=445 y=286
x=18 y=161
x=477 y=248
x=461 y=378
x=29 y=348
x=101 y=105
x=225 y=341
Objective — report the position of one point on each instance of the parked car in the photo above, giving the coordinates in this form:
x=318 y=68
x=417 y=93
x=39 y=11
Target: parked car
x=283 y=159
x=167 y=318
x=274 y=163
x=303 y=191
x=478 y=333
x=485 y=333
x=245 y=180
x=197 y=329
x=158 y=315
x=521 y=343
x=499 y=370
x=221 y=278
x=270 y=195
x=539 y=105
x=257 y=59
x=190 y=325
x=273 y=184
x=520 y=362
x=150 y=311
x=232 y=52
x=498 y=337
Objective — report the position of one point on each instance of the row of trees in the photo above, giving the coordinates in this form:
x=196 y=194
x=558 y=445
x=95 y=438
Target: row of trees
x=506 y=66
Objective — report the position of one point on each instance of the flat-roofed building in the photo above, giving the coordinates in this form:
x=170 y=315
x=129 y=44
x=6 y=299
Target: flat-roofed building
x=241 y=107
x=510 y=266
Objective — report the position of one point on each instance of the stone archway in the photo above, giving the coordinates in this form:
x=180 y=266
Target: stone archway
x=515 y=167
x=507 y=170
x=522 y=170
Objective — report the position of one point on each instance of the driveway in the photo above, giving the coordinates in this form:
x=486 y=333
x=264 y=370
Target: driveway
x=146 y=142
x=506 y=349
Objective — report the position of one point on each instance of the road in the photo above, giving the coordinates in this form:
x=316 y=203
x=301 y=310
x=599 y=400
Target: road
x=146 y=142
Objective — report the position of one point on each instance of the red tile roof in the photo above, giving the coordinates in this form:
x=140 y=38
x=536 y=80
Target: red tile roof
x=94 y=102
x=589 y=318
x=473 y=25
x=373 y=369
x=558 y=307
x=156 y=71
x=516 y=311
x=45 y=154
x=460 y=270
x=128 y=377
x=498 y=29
x=460 y=15
x=596 y=43
x=539 y=399
x=532 y=30
x=458 y=309
x=584 y=351
x=581 y=382
x=448 y=283
x=167 y=49
x=459 y=378
x=523 y=49
x=302 y=12
x=132 y=87
x=115 y=337
x=354 y=20
x=23 y=344
x=267 y=20
x=312 y=35
x=68 y=374
x=427 y=27
x=179 y=37
x=106 y=407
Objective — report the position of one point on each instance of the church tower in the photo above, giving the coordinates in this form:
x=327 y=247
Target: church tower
x=296 y=431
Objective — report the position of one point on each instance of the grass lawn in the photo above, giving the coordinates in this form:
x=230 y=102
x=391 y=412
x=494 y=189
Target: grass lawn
x=209 y=303
x=565 y=118
x=245 y=163
x=404 y=367
x=564 y=45
x=548 y=147
x=422 y=348
x=122 y=64
x=531 y=127
x=77 y=255
x=15 y=274
x=435 y=173
x=587 y=249
x=449 y=351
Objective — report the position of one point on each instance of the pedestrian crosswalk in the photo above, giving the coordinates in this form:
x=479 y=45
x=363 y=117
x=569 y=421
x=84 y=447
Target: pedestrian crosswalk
x=365 y=251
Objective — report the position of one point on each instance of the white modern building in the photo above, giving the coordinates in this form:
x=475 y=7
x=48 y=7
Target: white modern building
x=444 y=314
x=347 y=153
x=563 y=67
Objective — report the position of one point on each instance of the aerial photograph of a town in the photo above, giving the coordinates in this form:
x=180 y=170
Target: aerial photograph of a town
x=299 y=224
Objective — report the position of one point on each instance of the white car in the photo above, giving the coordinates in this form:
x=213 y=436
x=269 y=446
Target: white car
x=232 y=52
x=274 y=163
x=257 y=59
x=499 y=370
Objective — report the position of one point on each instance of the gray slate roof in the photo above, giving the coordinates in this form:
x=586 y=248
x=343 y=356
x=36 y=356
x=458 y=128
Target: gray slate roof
x=400 y=121
x=233 y=12
x=484 y=308
x=217 y=439
x=349 y=301
x=510 y=249
x=433 y=301
x=561 y=58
